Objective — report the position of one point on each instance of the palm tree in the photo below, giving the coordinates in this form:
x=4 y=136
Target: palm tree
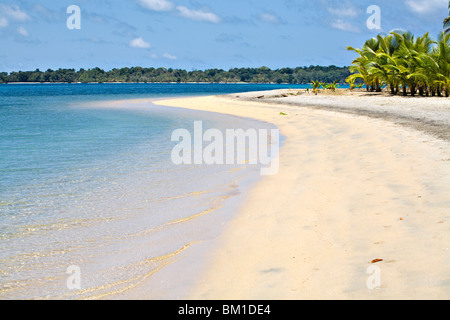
x=362 y=65
x=403 y=60
x=442 y=54
x=386 y=65
x=359 y=68
x=419 y=51
x=400 y=59
x=447 y=21
x=370 y=49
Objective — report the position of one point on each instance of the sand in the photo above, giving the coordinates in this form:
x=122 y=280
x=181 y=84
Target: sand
x=351 y=188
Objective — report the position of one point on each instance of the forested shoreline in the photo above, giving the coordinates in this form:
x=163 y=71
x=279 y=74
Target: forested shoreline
x=299 y=75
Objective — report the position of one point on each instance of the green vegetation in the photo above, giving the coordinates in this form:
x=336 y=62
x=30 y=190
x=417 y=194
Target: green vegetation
x=316 y=85
x=298 y=75
x=447 y=21
x=402 y=61
x=331 y=86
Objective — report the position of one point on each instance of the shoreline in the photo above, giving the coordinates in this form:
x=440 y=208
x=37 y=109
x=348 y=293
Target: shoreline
x=351 y=189
x=428 y=114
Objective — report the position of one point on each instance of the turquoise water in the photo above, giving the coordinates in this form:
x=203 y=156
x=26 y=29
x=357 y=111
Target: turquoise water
x=92 y=186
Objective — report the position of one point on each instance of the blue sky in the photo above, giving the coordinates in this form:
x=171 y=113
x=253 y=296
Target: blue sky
x=200 y=34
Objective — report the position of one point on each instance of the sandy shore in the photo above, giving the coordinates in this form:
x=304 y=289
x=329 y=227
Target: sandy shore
x=428 y=114
x=350 y=189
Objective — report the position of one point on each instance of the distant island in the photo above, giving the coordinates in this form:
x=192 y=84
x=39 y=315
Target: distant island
x=299 y=75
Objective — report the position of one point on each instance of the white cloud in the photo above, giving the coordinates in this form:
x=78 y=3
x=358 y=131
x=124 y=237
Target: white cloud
x=165 y=5
x=198 y=15
x=156 y=5
x=428 y=6
x=22 y=31
x=344 y=25
x=139 y=43
x=14 y=12
x=3 y=22
x=347 y=12
x=169 y=56
x=269 y=18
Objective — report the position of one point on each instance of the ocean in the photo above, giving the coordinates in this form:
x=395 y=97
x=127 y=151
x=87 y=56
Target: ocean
x=91 y=205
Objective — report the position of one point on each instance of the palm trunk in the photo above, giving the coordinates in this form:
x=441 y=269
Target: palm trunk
x=413 y=89
x=391 y=86
x=421 y=91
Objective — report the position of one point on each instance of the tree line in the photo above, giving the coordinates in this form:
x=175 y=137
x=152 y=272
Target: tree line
x=299 y=75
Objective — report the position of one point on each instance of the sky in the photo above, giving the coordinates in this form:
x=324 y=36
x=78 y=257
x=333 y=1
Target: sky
x=200 y=34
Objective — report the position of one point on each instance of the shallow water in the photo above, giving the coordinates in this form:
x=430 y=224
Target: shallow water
x=85 y=185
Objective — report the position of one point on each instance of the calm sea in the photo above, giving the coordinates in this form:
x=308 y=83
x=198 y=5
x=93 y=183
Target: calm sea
x=91 y=205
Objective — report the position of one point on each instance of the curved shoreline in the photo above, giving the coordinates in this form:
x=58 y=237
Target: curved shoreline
x=350 y=190
x=180 y=268
x=428 y=114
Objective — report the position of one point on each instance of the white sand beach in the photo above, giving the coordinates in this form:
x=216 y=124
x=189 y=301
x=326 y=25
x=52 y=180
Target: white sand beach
x=351 y=188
